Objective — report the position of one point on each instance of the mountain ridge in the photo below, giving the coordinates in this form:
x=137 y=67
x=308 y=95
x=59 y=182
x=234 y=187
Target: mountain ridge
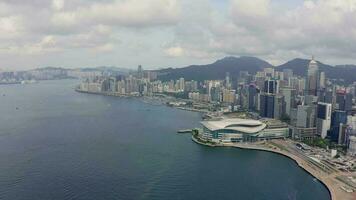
x=234 y=65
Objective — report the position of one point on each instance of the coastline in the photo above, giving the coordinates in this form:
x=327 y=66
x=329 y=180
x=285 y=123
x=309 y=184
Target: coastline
x=335 y=192
x=139 y=97
x=329 y=182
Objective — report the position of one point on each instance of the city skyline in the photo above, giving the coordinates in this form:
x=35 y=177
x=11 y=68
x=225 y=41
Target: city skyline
x=170 y=33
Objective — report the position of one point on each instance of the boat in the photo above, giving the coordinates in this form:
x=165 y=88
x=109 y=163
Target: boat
x=185 y=131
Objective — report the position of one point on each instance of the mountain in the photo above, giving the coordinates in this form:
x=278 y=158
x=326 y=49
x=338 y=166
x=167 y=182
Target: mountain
x=299 y=67
x=234 y=65
x=216 y=70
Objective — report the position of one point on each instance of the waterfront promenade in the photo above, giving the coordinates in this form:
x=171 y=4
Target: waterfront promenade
x=285 y=148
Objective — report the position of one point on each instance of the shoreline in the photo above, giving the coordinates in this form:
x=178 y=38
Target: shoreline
x=141 y=98
x=329 y=183
x=335 y=191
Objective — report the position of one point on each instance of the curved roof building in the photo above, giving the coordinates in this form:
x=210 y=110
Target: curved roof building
x=235 y=125
x=240 y=130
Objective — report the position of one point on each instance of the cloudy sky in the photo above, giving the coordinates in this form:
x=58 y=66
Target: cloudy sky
x=172 y=33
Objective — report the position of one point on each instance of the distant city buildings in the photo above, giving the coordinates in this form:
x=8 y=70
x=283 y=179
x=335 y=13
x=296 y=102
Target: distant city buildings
x=313 y=106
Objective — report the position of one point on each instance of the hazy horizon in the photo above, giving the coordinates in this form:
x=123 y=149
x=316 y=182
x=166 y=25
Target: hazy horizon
x=170 y=33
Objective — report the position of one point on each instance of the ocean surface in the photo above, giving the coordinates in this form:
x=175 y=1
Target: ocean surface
x=56 y=144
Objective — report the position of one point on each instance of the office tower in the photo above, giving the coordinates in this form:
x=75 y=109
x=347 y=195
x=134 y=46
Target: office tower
x=344 y=101
x=181 y=84
x=271 y=86
x=121 y=87
x=215 y=94
x=312 y=80
x=243 y=77
x=229 y=96
x=288 y=73
x=279 y=106
x=227 y=80
x=111 y=85
x=351 y=145
x=252 y=97
x=271 y=105
x=269 y=72
x=325 y=96
x=338 y=119
x=289 y=98
x=322 y=80
x=139 y=72
x=323 y=119
x=267 y=105
x=279 y=75
x=305 y=116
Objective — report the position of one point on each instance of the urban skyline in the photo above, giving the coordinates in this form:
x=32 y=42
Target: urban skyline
x=178 y=99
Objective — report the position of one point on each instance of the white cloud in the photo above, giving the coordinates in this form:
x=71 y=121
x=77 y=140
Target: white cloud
x=174 y=51
x=58 y=4
x=190 y=31
x=131 y=13
x=10 y=27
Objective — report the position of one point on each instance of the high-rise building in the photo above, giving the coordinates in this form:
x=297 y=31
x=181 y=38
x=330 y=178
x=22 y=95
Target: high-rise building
x=338 y=119
x=289 y=98
x=181 y=84
x=352 y=145
x=269 y=72
x=344 y=101
x=312 y=82
x=303 y=116
x=323 y=118
x=227 y=80
x=139 y=72
x=267 y=105
x=271 y=105
x=325 y=96
x=271 y=86
x=279 y=106
x=229 y=96
x=288 y=73
x=322 y=81
x=252 y=97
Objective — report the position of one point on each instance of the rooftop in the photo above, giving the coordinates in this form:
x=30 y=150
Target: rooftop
x=237 y=124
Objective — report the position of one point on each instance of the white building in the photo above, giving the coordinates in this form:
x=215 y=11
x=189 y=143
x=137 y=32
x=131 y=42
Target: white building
x=352 y=145
x=242 y=130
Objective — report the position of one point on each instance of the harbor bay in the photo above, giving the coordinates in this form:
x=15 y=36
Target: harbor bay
x=82 y=146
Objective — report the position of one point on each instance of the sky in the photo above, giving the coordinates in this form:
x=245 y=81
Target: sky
x=173 y=33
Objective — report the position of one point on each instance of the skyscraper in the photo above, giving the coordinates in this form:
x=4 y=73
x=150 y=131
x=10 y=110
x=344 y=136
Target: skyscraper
x=139 y=72
x=311 y=86
x=338 y=119
x=227 y=80
x=252 y=97
x=344 y=101
x=289 y=98
x=323 y=119
x=267 y=102
x=271 y=86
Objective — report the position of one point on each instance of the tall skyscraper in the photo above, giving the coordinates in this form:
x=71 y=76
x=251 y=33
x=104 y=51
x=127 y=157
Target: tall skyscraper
x=323 y=119
x=271 y=86
x=344 y=101
x=338 y=119
x=227 y=80
x=322 y=80
x=252 y=97
x=139 y=72
x=181 y=84
x=267 y=105
x=289 y=98
x=312 y=82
